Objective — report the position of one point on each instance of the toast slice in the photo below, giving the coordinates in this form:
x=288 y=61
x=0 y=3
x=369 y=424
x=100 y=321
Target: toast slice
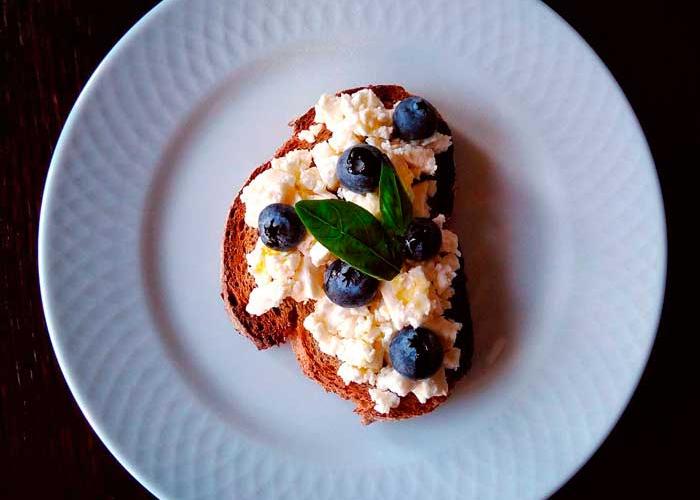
x=285 y=322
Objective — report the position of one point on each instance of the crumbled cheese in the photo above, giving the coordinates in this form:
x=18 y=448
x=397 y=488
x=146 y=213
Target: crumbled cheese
x=306 y=135
x=384 y=401
x=420 y=160
x=424 y=389
x=421 y=192
x=311 y=185
x=264 y=297
x=278 y=275
x=357 y=352
x=407 y=298
x=346 y=333
x=438 y=142
x=431 y=387
x=450 y=243
x=327 y=342
x=368 y=201
x=328 y=110
x=345 y=322
x=293 y=162
x=308 y=282
x=362 y=114
x=319 y=254
x=350 y=373
x=274 y=273
x=267 y=265
x=441 y=270
x=309 y=135
x=342 y=140
x=451 y=358
x=326 y=160
x=391 y=380
x=383 y=317
x=444 y=328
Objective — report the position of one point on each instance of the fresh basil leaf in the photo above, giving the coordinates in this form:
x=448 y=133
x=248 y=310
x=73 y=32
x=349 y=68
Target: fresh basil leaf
x=394 y=202
x=352 y=234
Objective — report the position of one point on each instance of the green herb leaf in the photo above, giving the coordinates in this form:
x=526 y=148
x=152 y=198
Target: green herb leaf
x=352 y=234
x=394 y=202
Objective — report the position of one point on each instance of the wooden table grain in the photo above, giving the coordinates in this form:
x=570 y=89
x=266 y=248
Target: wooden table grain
x=48 y=50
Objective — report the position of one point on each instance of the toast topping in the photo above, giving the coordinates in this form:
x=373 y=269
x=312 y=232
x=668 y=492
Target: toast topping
x=310 y=134
x=359 y=337
x=280 y=274
x=368 y=201
x=362 y=114
x=421 y=192
x=384 y=400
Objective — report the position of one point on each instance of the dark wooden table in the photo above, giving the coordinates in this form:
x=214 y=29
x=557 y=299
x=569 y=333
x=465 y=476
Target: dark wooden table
x=48 y=50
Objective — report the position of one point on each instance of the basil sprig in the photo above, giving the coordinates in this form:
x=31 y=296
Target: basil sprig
x=394 y=203
x=352 y=234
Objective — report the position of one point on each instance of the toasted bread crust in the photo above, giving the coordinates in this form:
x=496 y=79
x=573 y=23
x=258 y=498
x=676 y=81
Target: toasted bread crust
x=286 y=321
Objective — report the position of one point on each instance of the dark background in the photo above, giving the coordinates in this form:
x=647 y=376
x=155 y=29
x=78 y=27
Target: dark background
x=48 y=50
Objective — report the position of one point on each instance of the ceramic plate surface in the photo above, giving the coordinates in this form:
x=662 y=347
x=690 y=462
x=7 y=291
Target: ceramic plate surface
x=558 y=209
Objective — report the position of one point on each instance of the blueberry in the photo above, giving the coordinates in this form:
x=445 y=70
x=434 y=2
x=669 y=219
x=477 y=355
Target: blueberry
x=359 y=167
x=423 y=239
x=415 y=352
x=280 y=227
x=415 y=118
x=346 y=286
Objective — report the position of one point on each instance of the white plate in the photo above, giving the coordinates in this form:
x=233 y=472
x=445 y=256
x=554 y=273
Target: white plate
x=558 y=208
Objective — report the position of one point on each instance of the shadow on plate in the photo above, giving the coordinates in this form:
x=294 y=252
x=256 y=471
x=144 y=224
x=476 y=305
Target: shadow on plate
x=486 y=239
